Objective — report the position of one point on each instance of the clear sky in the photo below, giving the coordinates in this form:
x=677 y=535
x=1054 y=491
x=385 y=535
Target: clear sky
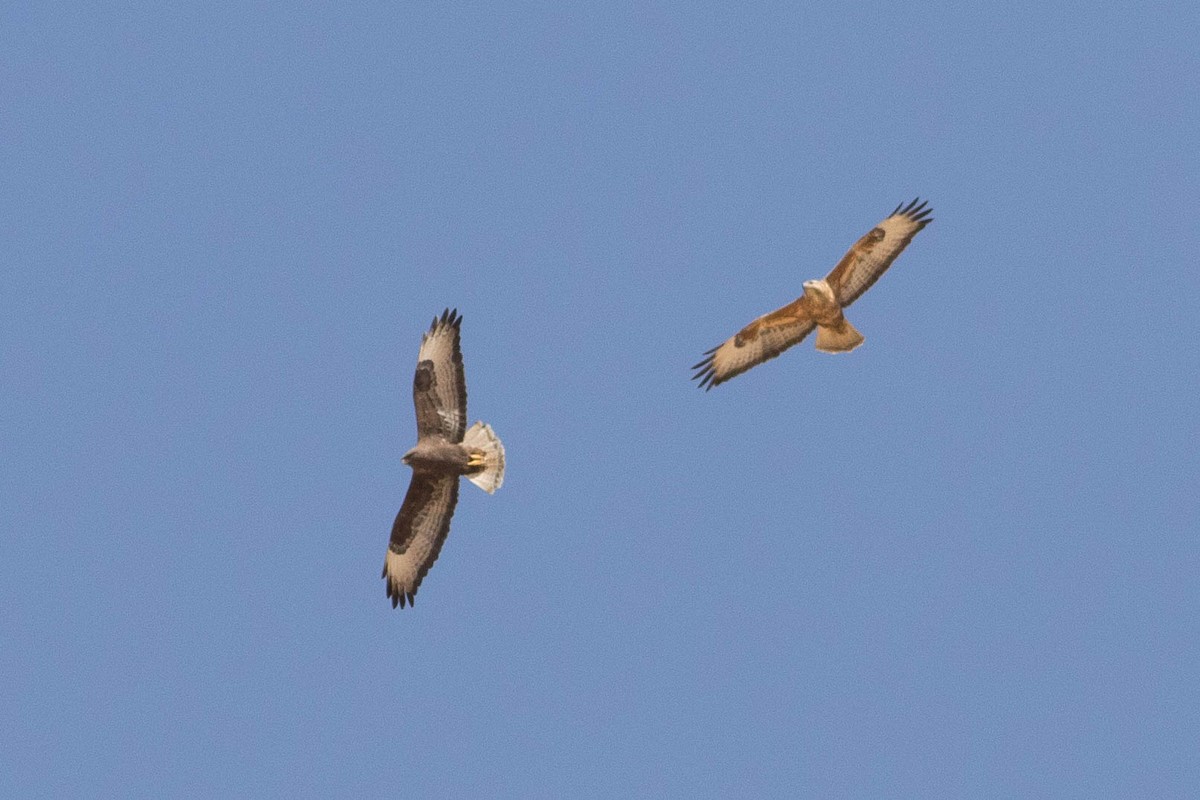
x=961 y=561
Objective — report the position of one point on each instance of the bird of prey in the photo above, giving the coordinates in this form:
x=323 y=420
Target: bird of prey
x=445 y=449
x=821 y=304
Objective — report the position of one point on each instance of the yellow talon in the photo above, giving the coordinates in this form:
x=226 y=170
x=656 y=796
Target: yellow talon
x=476 y=459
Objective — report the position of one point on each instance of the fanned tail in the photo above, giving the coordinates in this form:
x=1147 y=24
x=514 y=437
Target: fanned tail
x=840 y=338
x=485 y=447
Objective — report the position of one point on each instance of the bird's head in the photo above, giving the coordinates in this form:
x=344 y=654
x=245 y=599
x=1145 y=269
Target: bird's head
x=820 y=288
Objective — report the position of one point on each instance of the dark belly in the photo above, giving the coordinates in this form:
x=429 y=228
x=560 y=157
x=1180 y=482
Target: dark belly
x=446 y=460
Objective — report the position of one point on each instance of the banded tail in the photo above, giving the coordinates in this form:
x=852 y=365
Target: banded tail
x=487 y=452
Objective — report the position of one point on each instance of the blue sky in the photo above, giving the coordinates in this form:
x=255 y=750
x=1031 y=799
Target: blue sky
x=958 y=562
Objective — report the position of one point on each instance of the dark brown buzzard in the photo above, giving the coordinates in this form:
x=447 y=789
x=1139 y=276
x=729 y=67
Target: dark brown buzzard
x=445 y=449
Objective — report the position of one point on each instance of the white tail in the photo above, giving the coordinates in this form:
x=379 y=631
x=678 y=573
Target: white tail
x=481 y=439
x=840 y=338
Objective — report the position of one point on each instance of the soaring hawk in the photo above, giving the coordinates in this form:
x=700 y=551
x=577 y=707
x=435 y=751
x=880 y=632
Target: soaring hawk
x=445 y=449
x=821 y=304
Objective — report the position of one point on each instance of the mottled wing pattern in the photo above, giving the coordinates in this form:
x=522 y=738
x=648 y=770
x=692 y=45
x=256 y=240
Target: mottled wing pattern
x=760 y=341
x=871 y=255
x=446 y=393
x=425 y=400
x=418 y=533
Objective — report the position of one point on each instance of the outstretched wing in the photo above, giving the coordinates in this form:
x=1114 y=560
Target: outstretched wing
x=760 y=341
x=874 y=253
x=418 y=533
x=439 y=385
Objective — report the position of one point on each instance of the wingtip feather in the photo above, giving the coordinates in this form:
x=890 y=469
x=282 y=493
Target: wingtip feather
x=917 y=210
x=705 y=370
x=398 y=596
x=449 y=318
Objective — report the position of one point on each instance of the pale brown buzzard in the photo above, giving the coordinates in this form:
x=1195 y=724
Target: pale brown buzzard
x=821 y=304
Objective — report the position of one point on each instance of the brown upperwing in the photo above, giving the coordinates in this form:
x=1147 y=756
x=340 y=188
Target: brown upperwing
x=760 y=341
x=418 y=533
x=441 y=349
x=871 y=255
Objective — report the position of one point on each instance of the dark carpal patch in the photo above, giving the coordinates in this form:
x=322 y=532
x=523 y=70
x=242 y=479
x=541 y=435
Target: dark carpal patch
x=425 y=376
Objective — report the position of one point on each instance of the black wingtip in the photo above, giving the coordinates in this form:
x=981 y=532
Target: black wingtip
x=918 y=210
x=706 y=372
x=448 y=318
x=398 y=596
x=395 y=592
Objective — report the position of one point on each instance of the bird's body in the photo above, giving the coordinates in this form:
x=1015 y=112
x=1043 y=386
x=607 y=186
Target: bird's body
x=823 y=306
x=445 y=450
x=439 y=457
x=820 y=306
